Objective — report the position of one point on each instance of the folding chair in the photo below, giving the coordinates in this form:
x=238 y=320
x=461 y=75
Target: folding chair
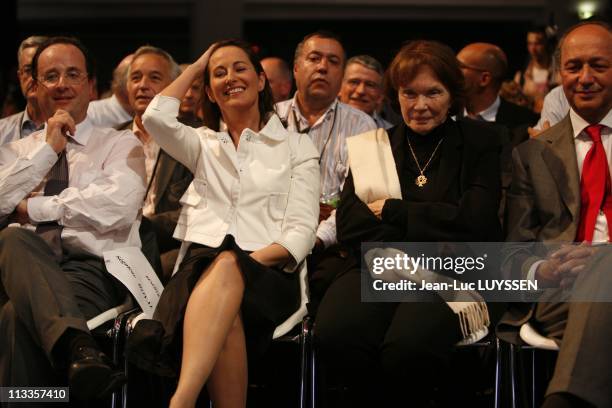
x=534 y=341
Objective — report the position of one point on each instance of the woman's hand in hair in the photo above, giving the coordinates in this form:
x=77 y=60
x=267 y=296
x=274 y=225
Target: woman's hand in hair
x=202 y=62
x=180 y=85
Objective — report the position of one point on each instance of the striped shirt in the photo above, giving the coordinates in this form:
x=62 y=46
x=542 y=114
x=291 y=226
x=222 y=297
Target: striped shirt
x=329 y=135
x=381 y=122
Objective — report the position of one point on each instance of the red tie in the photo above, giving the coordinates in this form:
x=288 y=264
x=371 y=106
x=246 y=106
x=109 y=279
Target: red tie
x=595 y=187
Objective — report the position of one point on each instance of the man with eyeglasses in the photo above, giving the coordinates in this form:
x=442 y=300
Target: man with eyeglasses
x=362 y=87
x=76 y=190
x=484 y=67
x=23 y=123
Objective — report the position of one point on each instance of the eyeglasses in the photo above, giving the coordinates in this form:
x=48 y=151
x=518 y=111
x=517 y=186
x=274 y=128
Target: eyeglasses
x=472 y=67
x=26 y=70
x=71 y=77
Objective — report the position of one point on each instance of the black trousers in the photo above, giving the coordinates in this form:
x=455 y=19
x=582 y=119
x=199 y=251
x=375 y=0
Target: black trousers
x=389 y=354
x=40 y=299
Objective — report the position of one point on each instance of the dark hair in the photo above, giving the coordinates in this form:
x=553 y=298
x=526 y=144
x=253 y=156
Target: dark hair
x=211 y=111
x=437 y=56
x=90 y=64
x=319 y=34
x=538 y=29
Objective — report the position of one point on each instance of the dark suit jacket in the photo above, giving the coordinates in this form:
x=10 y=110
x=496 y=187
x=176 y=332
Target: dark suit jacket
x=516 y=118
x=170 y=179
x=470 y=157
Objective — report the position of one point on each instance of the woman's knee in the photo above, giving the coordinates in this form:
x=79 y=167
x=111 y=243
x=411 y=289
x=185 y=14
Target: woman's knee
x=225 y=271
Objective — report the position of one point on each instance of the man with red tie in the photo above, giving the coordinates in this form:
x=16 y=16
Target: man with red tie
x=561 y=192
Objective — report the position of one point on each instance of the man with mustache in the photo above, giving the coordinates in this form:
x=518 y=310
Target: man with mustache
x=561 y=192
x=318 y=67
x=150 y=71
x=76 y=190
x=362 y=87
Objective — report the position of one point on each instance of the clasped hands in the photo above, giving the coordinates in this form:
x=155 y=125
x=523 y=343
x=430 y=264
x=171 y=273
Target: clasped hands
x=376 y=207
x=562 y=267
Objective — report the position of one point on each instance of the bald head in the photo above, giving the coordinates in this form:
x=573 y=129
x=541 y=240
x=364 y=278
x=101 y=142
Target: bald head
x=586 y=70
x=486 y=57
x=279 y=77
x=483 y=66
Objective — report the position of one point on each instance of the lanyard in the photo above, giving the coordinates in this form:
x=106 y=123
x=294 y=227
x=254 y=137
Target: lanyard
x=307 y=130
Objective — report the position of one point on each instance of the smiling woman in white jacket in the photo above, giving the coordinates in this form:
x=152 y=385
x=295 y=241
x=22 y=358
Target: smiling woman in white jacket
x=248 y=221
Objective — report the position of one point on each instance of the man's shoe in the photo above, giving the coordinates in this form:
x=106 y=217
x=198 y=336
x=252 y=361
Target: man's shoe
x=91 y=375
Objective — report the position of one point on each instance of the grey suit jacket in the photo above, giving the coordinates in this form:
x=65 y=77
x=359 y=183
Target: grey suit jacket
x=543 y=208
x=544 y=197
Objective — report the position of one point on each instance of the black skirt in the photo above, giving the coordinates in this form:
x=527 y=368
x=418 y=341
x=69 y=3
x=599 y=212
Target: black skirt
x=270 y=297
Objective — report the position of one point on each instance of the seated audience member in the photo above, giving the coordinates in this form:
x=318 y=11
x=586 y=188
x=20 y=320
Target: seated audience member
x=279 y=76
x=77 y=189
x=315 y=110
x=538 y=77
x=554 y=109
x=512 y=92
x=116 y=109
x=362 y=87
x=191 y=103
x=561 y=193
x=247 y=223
x=151 y=70
x=23 y=123
x=484 y=67
x=392 y=354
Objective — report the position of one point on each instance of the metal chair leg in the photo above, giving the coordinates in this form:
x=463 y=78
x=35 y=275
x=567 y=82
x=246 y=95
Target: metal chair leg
x=533 y=378
x=313 y=376
x=513 y=376
x=498 y=357
x=304 y=345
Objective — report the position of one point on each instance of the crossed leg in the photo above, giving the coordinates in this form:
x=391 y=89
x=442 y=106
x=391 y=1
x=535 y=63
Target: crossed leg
x=214 y=348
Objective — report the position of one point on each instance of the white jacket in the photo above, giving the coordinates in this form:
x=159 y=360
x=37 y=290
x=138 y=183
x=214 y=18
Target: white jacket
x=266 y=191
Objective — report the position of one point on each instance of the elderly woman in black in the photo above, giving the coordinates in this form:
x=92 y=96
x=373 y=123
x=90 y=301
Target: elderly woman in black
x=449 y=177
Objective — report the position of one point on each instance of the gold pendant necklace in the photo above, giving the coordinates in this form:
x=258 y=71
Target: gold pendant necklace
x=421 y=180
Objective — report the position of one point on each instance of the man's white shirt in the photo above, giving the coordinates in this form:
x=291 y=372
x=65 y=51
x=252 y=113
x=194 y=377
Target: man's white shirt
x=99 y=209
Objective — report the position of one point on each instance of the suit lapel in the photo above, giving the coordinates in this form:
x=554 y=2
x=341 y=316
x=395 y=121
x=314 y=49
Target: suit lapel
x=561 y=161
x=163 y=173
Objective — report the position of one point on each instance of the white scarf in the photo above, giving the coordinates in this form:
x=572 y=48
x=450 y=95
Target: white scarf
x=375 y=177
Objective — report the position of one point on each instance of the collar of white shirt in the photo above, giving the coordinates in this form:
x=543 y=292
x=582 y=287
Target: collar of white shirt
x=273 y=129
x=579 y=124
x=83 y=131
x=296 y=109
x=490 y=113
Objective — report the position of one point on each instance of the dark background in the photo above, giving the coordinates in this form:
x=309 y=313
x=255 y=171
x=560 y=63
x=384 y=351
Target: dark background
x=110 y=39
